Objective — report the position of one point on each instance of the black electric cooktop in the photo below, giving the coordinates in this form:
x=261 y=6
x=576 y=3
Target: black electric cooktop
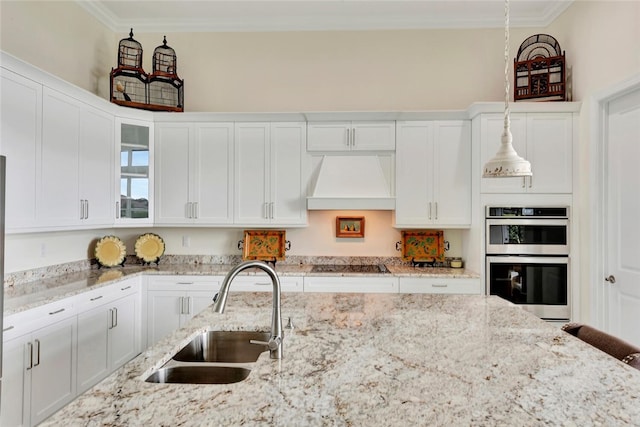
x=333 y=268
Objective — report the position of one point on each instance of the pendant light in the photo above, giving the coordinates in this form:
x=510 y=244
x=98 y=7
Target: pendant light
x=506 y=162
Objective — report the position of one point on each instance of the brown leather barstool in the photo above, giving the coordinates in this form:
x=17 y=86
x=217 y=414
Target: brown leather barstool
x=611 y=345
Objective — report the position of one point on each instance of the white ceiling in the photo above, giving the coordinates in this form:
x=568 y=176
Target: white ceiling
x=304 y=15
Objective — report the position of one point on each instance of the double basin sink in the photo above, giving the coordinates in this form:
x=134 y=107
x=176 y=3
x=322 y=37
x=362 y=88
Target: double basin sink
x=213 y=357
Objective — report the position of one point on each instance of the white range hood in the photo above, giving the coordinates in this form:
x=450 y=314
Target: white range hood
x=351 y=183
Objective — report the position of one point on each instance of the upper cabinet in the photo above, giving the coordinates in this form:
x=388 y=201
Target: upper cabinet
x=269 y=184
x=21 y=139
x=433 y=174
x=351 y=136
x=194 y=173
x=134 y=173
x=544 y=139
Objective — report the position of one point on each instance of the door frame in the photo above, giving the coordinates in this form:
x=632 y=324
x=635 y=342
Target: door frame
x=599 y=297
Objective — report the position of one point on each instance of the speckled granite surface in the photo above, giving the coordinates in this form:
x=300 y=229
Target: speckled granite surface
x=31 y=289
x=372 y=359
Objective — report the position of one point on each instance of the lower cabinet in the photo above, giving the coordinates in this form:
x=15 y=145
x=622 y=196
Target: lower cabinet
x=38 y=373
x=173 y=300
x=423 y=285
x=108 y=335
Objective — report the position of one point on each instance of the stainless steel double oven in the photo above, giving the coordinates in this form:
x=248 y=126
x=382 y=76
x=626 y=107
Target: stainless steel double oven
x=527 y=254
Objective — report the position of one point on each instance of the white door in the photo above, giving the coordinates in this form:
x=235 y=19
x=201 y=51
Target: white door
x=172 y=180
x=164 y=311
x=93 y=363
x=286 y=180
x=623 y=210
x=122 y=335
x=251 y=163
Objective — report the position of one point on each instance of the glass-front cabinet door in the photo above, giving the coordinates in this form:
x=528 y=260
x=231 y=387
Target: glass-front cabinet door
x=134 y=203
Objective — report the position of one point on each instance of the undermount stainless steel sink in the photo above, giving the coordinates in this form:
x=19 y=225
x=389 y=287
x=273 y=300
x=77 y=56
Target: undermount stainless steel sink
x=199 y=375
x=224 y=347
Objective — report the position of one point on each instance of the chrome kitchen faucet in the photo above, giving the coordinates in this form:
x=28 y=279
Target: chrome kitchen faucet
x=220 y=301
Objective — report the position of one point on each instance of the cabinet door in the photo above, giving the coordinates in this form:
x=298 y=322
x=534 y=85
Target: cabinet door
x=197 y=302
x=251 y=177
x=60 y=195
x=15 y=389
x=329 y=136
x=21 y=139
x=53 y=380
x=173 y=142
x=378 y=135
x=93 y=360
x=414 y=172
x=134 y=187
x=492 y=126
x=286 y=174
x=164 y=313
x=212 y=170
x=96 y=167
x=550 y=151
x=123 y=324
x=452 y=173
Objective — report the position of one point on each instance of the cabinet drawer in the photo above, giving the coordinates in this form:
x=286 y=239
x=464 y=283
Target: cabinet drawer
x=184 y=283
x=418 y=285
x=30 y=320
x=262 y=282
x=364 y=284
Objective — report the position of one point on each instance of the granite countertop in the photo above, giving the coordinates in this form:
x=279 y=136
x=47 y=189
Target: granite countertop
x=58 y=286
x=379 y=359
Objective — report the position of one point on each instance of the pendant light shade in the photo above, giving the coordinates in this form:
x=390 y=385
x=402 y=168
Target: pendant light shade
x=506 y=162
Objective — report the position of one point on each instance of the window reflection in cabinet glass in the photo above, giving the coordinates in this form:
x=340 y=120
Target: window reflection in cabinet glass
x=134 y=172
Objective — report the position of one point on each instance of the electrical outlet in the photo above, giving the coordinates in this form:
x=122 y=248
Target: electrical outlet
x=43 y=250
x=186 y=241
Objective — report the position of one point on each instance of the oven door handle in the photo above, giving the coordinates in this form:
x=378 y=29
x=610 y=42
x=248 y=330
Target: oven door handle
x=516 y=221
x=507 y=259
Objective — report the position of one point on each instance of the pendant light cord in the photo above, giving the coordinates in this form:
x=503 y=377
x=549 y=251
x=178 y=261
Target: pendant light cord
x=506 y=66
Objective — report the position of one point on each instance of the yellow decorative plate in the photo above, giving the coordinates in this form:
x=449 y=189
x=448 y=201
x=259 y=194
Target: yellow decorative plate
x=110 y=251
x=149 y=247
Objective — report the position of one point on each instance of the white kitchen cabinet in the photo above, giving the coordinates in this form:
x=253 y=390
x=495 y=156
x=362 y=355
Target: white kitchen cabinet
x=364 y=284
x=261 y=282
x=444 y=285
x=39 y=370
x=134 y=172
x=194 y=169
x=108 y=331
x=269 y=168
x=174 y=300
x=351 y=136
x=433 y=174
x=21 y=139
x=544 y=139
x=77 y=167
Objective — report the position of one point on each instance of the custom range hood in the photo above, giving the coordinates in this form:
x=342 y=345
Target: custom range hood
x=352 y=183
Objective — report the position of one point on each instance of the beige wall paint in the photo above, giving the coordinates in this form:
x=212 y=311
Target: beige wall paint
x=60 y=38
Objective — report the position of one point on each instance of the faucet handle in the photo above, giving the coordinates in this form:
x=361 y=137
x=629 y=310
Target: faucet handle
x=289 y=324
x=273 y=343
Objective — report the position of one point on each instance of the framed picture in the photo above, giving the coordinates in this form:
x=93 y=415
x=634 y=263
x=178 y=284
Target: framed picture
x=349 y=226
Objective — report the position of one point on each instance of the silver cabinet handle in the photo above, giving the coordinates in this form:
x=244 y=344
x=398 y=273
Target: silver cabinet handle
x=51 y=313
x=188 y=210
x=195 y=210
x=110 y=319
x=30 y=352
x=117 y=209
x=95 y=298
x=182 y=283
x=187 y=305
x=115 y=311
x=125 y=288
x=429 y=210
x=436 y=210
x=181 y=302
x=87 y=212
x=81 y=209
x=353 y=137
x=439 y=285
x=348 y=142
x=524 y=181
x=262 y=283
x=8 y=328
x=271 y=209
x=37 y=354
x=530 y=181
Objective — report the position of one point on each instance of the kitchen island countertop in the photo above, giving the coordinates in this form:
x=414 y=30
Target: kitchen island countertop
x=374 y=359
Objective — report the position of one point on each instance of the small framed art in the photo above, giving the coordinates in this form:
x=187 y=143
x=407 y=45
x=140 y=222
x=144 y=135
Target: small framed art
x=349 y=226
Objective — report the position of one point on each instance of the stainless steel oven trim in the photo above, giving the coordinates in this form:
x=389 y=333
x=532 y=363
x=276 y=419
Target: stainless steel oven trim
x=548 y=312
x=488 y=212
x=537 y=249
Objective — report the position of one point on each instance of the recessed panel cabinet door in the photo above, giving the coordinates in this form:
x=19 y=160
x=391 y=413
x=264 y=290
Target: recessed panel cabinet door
x=122 y=334
x=286 y=189
x=93 y=360
x=60 y=195
x=15 y=387
x=251 y=178
x=21 y=139
x=172 y=181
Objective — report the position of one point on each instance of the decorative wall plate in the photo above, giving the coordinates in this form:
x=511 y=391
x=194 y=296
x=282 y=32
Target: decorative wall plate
x=110 y=251
x=149 y=247
x=423 y=245
x=266 y=245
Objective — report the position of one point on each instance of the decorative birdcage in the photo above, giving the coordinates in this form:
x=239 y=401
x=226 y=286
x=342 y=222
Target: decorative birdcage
x=165 y=87
x=132 y=87
x=540 y=70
